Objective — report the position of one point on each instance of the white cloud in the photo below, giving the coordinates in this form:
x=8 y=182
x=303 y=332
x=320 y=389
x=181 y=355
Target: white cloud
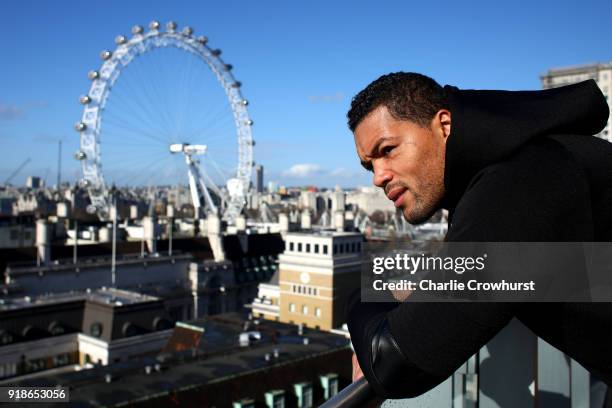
x=303 y=170
x=342 y=173
x=10 y=111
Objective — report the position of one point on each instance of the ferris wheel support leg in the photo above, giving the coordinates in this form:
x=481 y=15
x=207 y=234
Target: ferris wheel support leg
x=195 y=195
x=214 y=188
x=207 y=196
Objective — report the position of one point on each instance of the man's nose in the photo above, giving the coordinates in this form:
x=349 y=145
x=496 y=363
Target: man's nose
x=382 y=175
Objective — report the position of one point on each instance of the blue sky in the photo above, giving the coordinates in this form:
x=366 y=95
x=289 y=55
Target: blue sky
x=299 y=63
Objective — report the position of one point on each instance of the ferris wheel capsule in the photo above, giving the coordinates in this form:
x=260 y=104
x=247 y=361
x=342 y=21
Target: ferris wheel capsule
x=93 y=75
x=84 y=99
x=80 y=126
x=171 y=26
x=137 y=29
x=154 y=25
x=244 y=102
x=187 y=31
x=106 y=55
x=228 y=67
x=202 y=39
x=249 y=122
x=120 y=39
x=80 y=156
x=216 y=52
x=237 y=84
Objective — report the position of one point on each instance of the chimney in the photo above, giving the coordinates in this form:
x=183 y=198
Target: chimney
x=215 y=237
x=339 y=221
x=283 y=221
x=134 y=212
x=306 y=220
x=241 y=223
x=149 y=226
x=43 y=244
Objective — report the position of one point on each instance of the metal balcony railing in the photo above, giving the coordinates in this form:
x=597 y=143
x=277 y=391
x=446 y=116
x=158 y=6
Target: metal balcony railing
x=358 y=394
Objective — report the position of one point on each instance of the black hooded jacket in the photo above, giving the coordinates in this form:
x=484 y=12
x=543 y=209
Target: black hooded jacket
x=520 y=167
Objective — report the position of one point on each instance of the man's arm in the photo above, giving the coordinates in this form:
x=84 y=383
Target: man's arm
x=413 y=347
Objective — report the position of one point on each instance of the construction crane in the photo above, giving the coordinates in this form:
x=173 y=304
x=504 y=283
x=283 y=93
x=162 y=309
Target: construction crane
x=17 y=170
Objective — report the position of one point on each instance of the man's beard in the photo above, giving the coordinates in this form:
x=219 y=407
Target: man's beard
x=420 y=211
x=424 y=207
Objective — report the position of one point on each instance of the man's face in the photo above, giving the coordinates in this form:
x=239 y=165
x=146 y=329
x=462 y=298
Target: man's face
x=407 y=160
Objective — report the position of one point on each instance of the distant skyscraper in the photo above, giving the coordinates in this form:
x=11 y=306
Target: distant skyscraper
x=259 y=171
x=33 y=182
x=601 y=73
x=272 y=187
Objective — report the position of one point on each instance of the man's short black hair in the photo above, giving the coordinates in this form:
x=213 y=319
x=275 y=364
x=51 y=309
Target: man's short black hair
x=407 y=95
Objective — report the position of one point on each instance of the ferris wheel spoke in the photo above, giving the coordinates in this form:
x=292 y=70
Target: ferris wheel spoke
x=161 y=93
x=224 y=176
x=156 y=108
x=140 y=103
x=134 y=116
x=184 y=97
x=209 y=127
x=135 y=131
x=143 y=174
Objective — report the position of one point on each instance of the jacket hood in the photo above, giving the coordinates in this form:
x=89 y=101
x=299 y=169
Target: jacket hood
x=488 y=126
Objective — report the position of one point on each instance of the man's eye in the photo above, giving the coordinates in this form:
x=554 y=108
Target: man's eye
x=386 y=150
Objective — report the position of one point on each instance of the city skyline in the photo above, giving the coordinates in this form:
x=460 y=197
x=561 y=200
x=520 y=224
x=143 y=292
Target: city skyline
x=299 y=66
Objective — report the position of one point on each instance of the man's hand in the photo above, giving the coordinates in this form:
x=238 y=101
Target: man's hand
x=357 y=373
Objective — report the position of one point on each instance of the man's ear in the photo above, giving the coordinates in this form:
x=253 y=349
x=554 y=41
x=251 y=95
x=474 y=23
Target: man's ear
x=443 y=118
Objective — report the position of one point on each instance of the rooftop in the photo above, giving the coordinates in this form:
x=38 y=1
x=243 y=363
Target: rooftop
x=324 y=233
x=218 y=357
x=108 y=296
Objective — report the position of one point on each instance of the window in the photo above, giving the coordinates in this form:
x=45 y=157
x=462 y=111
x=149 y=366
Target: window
x=56 y=329
x=36 y=364
x=303 y=392
x=291 y=246
x=318 y=311
x=292 y=307
x=316 y=248
x=307 y=247
x=5 y=337
x=335 y=249
x=329 y=382
x=304 y=309
x=275 y=399
x=325 y=249
x=96 y=329
x=14 y=235
x=299 y=247
x=244 y=403
x=61 y=360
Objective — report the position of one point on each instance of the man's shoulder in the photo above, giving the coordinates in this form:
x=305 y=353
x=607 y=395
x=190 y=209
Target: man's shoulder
x=538 y=162
x=524 y=197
